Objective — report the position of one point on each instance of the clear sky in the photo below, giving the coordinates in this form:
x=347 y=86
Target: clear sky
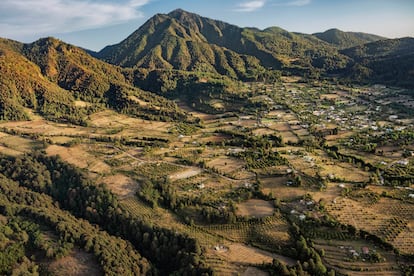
x=94 y=24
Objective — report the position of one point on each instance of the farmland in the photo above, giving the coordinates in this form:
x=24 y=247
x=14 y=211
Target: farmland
x=246 y=185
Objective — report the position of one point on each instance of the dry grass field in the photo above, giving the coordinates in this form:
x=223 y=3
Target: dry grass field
x=243 y=254
x=78 y=263
x=278 y=187
x=121 y=185
x=255 y=208
x=14 y=143
x=79 y=157
x=131 y=126
x=226 y=165
x=344 y=171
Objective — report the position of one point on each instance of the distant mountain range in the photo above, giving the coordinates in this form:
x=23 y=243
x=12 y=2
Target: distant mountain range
x=49 y=75
x=186 y=41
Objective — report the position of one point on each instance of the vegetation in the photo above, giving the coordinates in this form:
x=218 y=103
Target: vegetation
x=211 y=149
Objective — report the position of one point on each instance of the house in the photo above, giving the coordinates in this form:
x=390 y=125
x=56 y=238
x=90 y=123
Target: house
x=365 y=250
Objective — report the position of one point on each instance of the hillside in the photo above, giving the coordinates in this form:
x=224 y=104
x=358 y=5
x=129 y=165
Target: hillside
x=48 y=75
x=186 y=41
x=345 y=40
x=23 y=85
x=387 y=61
x=163 y=42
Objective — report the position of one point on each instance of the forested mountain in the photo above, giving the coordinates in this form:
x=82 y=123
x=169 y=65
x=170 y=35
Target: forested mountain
x=186 y=41
x=347 y=39
x=49 y=75
x=388 y=61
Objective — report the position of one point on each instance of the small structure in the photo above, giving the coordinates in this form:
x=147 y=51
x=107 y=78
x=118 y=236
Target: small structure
x=365 y=250
x=353 y=253
x=201 y=186
x=403 y=162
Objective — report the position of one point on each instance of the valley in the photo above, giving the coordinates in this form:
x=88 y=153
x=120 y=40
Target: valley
x=239 y=181
x=197 y=147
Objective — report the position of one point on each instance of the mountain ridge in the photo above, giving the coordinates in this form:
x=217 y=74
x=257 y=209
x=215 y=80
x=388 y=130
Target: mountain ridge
x=183 y=38
x=347 y=39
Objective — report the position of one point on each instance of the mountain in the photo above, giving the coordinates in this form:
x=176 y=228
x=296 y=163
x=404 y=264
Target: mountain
x=22 y=84
x=163 y=42
x=345 y=40
x=48 y=75
x=186 y=41
x=388 y=61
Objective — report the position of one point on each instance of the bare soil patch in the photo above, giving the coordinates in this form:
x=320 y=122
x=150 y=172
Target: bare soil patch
x=121 y=185
x=186 y=173
x=255 y=208
x=244 y=254
x=82 y=104
x=78 y=263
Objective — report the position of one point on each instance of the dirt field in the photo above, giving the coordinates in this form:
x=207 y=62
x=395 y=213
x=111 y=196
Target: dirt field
x=9 y=151
x=82 y=104
x=110 y=119
x=17 y=143
x=46 y=128
x=263 y=131
x=78 y=263
x=121 y=185
x=226 y=164
x=255 y=208
x=244 y=254
x=277 y=186
x=79 y=157
x=345 y=171
x=186 y=173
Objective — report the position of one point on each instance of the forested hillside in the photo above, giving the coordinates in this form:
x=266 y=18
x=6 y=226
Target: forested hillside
x=52 y=77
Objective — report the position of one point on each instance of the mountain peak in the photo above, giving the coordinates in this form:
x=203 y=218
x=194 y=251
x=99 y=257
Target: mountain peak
x=177 y=12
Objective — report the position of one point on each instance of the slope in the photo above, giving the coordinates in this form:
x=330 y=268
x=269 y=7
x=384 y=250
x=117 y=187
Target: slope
x=164 y=42
x=387 y=61
x=23 y=85
x=48 y=75
x=187 y=41
x=345 y=40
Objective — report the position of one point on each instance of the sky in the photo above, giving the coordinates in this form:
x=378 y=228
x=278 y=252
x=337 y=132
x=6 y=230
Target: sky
x=94 y=24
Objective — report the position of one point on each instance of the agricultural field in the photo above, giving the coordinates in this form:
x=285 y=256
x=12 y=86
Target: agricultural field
x=304 y=162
